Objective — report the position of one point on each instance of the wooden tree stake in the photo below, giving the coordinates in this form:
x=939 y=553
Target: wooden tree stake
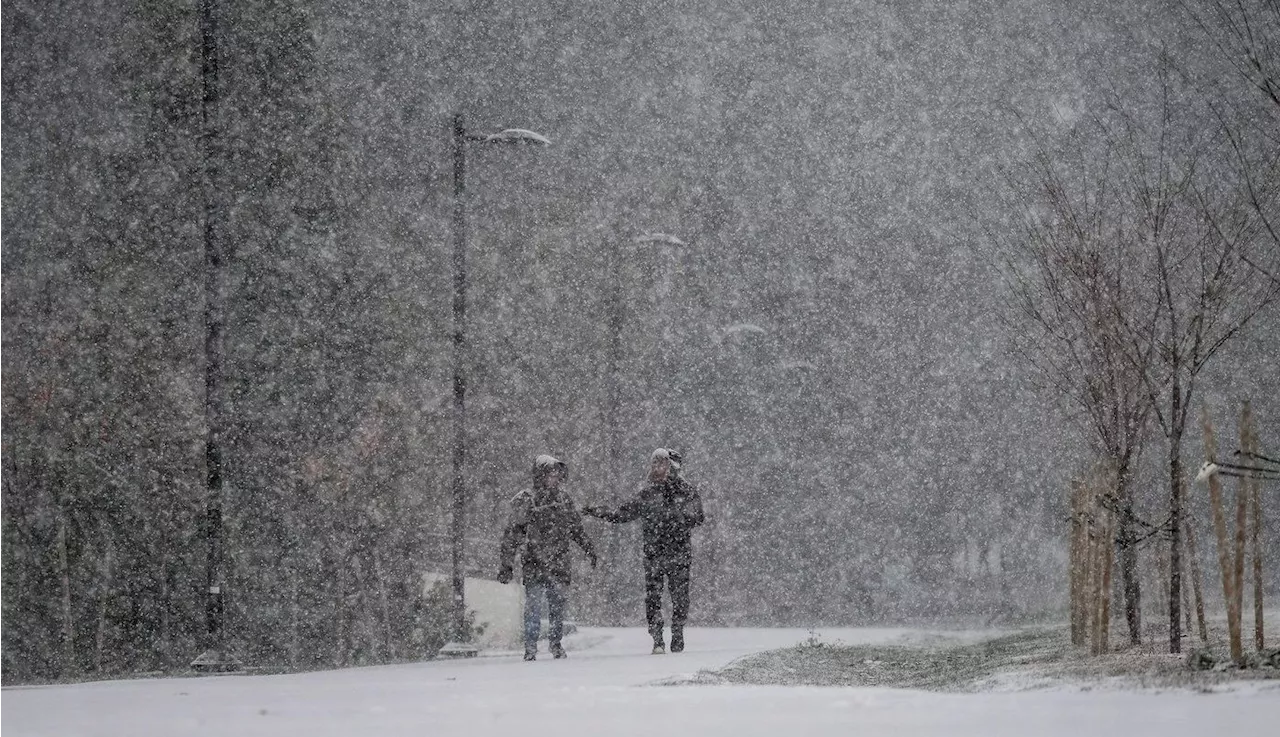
x=1224 y=543
x=1251 y=446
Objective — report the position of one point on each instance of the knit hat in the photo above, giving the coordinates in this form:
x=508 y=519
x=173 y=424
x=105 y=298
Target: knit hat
x=672 y=456
x=545 y=464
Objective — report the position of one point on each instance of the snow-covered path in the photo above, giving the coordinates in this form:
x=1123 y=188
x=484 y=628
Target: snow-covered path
x=606 y=687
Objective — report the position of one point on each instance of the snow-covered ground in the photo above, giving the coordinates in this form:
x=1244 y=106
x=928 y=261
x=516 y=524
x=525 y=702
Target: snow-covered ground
x=610 y=685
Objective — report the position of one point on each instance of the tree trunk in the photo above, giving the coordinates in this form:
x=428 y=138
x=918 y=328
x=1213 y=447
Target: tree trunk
x=105 y=572
x=384 y=602
x=340 y=615
x=1175 y=515
x=1095 y=590
x=166 y=619
x=1242 y=528
x=1197 y=583
x=1162 y=574
x=1129 y=561
x=8 y=564
x=368 y=617
x=294 y=593
x=1259 y=636
x=68 y=614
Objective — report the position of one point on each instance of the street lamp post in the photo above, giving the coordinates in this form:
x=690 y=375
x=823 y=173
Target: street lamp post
x=216 y=657
x=460 y=139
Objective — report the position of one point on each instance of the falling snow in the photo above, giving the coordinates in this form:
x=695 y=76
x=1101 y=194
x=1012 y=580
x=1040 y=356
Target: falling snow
x=799 y=243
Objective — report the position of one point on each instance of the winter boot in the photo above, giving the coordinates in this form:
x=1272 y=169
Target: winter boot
x=655 y=631
x=677 y=639
x=530 y=652
x=557 y=651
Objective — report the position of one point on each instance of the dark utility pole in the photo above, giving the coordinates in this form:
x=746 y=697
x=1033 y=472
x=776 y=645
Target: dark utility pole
x=216 y=657
x=459 y=371
x=459 y=140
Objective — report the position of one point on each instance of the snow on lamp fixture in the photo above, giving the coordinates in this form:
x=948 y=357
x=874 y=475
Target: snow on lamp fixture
x=659 y=238
x=517 y=135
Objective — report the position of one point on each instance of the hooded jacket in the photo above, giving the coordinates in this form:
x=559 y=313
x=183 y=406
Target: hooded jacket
x=543 y=522
x=668 y=511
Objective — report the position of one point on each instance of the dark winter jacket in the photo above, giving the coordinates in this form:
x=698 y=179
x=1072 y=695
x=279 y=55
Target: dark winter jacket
x=668 y=512
x=543 y=521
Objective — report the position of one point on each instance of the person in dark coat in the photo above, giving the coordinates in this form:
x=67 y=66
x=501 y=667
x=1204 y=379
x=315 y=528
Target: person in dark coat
x=668 y=508
x=543 y=522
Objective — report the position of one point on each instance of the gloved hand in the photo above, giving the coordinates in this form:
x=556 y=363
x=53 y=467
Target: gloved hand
x=504 y=575
x=595 y=559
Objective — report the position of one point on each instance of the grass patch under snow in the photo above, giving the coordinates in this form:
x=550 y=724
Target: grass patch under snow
x=1028 y=659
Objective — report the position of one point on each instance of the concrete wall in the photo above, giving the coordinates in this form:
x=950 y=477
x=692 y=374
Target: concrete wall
x=500 y=607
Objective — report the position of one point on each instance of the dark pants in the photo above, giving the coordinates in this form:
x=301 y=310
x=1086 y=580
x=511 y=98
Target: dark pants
x=557 y=594
x=675 y=574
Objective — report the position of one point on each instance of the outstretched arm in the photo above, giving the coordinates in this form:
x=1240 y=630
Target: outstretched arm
x=692 y=511
x=628 y=512
x=579 y=535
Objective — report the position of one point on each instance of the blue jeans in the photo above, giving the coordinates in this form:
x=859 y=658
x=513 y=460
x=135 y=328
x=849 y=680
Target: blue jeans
x=556 y=594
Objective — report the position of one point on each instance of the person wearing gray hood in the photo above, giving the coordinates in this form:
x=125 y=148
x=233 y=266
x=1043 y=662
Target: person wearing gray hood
x=543 y=522
x=668 y=508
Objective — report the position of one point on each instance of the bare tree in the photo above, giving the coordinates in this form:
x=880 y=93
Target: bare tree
x=1246 y=34
x=1196 y=223
x=1073 y=302
x=1136 y=266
